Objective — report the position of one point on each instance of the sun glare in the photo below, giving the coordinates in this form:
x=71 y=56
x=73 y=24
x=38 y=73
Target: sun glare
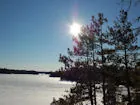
x=75 y=29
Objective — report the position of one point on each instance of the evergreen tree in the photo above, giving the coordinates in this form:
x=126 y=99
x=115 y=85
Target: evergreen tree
x=125 y=37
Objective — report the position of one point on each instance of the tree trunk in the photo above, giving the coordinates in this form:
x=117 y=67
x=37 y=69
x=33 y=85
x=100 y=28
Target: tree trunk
x=94 y=83
x=103 y=75
x=95 y=102
x=127 y=78
x=103 y=87
x=90 y=93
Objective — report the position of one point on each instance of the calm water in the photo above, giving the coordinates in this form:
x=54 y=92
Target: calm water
x=30 y=89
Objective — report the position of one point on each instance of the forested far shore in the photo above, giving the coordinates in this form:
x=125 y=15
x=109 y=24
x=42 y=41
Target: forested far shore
x=13 y=71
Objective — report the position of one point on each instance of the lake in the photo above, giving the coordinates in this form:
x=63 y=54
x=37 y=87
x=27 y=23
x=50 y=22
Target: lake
x=16 y=89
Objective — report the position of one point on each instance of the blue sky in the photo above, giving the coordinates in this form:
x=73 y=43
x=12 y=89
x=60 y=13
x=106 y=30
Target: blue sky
x=34 y=32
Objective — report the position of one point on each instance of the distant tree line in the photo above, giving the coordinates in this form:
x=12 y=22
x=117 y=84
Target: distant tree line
x=12 y=71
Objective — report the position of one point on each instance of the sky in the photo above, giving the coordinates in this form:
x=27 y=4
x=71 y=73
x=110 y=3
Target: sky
x=34 y=32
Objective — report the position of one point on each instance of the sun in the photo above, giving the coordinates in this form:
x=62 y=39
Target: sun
x=75 y=29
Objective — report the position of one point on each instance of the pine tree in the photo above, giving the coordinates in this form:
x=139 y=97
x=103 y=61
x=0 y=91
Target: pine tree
x=125 y=37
